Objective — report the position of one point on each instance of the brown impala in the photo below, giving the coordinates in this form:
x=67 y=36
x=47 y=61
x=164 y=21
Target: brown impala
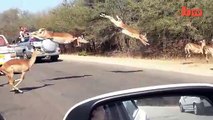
x=58 y=37
x=194 y=48
x=18 y=65
x=126 y=29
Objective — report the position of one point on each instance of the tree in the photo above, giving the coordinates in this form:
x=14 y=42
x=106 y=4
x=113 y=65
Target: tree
x=160 y=19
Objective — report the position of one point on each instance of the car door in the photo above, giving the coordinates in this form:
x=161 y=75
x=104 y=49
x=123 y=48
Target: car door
x=185 y=102
x=190 y=100
x=22 y=46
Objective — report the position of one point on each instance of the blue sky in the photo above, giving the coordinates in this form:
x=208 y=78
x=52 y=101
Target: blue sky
x=30 y=5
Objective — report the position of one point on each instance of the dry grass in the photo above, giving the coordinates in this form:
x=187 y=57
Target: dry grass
x=191 y=66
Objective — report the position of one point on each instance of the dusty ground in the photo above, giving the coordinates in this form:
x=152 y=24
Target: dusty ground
x=51 y=88
x=197 y=67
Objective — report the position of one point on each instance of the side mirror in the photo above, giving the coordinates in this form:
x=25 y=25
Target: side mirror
x=155 y=108
x=1 y=117
x=169 y=102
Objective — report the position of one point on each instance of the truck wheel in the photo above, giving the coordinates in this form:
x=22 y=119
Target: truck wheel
x=198 y=109
x=38 y=60
x=181 y=108
x=25 y=56
x=54 y=58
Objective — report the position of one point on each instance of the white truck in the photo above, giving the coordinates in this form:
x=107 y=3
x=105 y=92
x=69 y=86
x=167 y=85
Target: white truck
x=6 y=51
x=49 y=50
x=196 y=104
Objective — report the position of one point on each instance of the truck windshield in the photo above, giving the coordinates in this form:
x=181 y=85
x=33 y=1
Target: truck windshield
x=2 y=41
x=35 y=40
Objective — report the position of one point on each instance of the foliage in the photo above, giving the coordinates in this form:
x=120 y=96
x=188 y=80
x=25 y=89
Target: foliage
x=161 y=19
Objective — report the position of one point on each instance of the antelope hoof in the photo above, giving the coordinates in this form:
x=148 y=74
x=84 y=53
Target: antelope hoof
x=21 y=92
x=17 y=80
x=1 y=73
x=18 y=91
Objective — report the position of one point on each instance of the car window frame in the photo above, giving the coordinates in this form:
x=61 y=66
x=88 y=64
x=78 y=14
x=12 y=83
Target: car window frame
x=134 y=114
x=5 y=43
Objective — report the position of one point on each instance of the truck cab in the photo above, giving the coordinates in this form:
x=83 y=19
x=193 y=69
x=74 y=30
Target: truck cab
x=48 y=49
x=6 y=51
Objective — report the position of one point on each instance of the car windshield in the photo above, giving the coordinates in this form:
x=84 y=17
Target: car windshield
x=65 y=51
x=2 y=41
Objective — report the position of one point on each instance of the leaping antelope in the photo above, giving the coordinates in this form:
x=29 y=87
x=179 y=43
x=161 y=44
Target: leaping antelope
x=126 y=29
x=60 y=38
x=19 y=66
x=194 y=48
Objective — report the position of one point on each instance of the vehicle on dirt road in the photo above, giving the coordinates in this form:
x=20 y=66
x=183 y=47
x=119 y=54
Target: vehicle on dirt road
x=197 y=105
x=49 y=50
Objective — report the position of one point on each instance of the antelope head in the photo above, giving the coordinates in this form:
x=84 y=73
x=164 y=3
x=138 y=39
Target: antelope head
x=41 y=30
x=82 y=40
x=102 y=15
x=34 y=34
x=41 y=33
x=118 y=22
x=203 y=42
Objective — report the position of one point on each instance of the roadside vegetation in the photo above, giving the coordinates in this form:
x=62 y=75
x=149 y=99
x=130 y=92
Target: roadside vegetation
x=166 y=29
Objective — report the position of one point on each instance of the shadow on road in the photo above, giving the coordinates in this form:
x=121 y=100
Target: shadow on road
x=185 y=63
x=26 y=89
x=47 y=61
x=129 y=71
x=2 y=85
x=206 y=113
x=14 y=73
x=68 y=77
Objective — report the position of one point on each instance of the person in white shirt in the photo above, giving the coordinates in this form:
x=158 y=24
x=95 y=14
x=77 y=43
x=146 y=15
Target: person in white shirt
x=21 y=33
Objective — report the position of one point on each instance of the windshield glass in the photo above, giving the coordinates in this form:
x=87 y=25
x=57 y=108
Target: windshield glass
x=2 y=41
x=72 y=50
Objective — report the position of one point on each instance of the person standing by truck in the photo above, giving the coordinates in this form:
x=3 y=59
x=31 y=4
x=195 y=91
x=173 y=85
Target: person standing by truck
x=26 y=33
x=21 y=34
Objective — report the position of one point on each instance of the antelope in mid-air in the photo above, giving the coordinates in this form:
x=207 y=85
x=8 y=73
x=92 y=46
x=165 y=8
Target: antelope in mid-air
x=194 y=48
x=58 y=37
x=18 y=66
x=126 y=29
